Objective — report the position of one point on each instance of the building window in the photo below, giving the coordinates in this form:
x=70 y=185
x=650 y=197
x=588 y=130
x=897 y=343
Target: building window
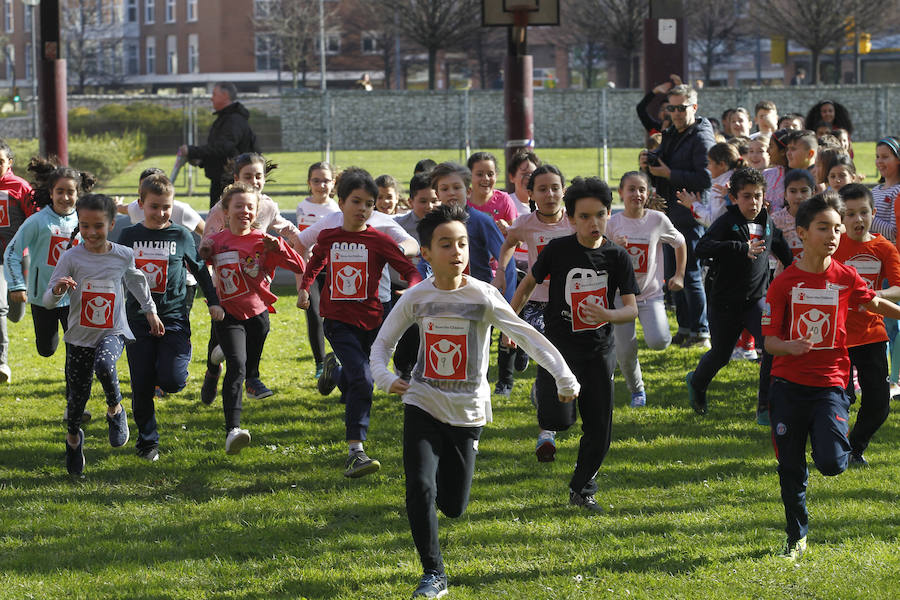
x=28 y=12
x=28 y=57
x=170 y=11
x=171 y=54
x=132 y=63
x=191 y=10
x=8 y=21
x=193 y=53
x=262 y=9
x=131 y=11
x=369 y=42
x=333 y=42
x=151 y=55
x=149 y=12
x=266 y=52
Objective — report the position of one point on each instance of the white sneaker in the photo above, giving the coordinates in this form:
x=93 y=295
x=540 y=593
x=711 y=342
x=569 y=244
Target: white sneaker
x=217 y=356
x=895 y=390
x=236 y=440
x=5 y=373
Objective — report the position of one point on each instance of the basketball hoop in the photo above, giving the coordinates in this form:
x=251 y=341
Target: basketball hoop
x=506 y=13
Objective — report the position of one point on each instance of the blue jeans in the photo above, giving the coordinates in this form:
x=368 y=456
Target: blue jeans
x=690 y=303
x=352 y=346
x=155 y=361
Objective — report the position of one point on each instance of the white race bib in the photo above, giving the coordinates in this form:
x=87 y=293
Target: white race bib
x=814 y=314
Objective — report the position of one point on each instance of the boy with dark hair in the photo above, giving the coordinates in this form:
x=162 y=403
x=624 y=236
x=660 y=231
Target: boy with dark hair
x=15 y=207
x=448 y=399
x=875 y=259
x=805 y=328
x=355 y=254
x=737 y=245
x=765 y=117
x=164 y=251
x=586 y=270
x=802 y=148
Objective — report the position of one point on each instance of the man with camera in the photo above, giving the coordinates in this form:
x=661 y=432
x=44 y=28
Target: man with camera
x=680 y=163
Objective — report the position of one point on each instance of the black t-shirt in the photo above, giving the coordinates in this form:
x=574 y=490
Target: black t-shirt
x=580 y=275
x=162 y=255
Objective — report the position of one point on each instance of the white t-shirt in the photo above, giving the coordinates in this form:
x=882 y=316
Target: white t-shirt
x=309 y=212
x=707 y=213
x=449 y=381
x=537 y=234
x=644 y=238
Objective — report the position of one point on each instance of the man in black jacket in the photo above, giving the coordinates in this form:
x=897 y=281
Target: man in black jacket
x=680 y=163
x=229 y=136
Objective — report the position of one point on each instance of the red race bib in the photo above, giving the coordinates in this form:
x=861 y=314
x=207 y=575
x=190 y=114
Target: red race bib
x=446 y=345
x=98 y=304
x=868 y=267
x=306 y=221
x=59 y=239
x=756 y=231
x=154 y=262
x=349 y=271
x=814 y=314
x=229 y=275
x=4 y=209
x=638 y=249
x=585 y=287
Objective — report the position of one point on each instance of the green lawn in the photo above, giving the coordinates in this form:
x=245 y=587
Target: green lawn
x=691 y=504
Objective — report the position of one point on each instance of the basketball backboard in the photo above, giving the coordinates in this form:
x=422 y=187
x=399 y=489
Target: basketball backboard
x=500 y=13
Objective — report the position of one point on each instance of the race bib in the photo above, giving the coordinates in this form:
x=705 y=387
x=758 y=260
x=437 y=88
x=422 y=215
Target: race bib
x=4 y=209
x=584 y=288
x=306 y=221
x=757 y=231
x=638 y=249
x=868 y=267
x=228 y=272
x=98 y=303
x=154 y=262
x=814 y=314
x=349 y=271
x=446 y=347
x=59 y=239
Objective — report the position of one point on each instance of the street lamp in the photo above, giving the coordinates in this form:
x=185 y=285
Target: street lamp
x=34 y=63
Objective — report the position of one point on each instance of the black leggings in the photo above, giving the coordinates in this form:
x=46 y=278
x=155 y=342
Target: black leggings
x=871 y=365
x=314 y=321
x=242 y=342
x=46 y=327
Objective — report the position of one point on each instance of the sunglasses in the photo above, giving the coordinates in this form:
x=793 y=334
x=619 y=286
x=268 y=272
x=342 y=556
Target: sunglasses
x=677 y=107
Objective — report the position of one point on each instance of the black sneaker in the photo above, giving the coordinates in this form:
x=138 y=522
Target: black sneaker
x=149 y=454
x=118 y=429
x=359 y=465
x=679 y=338
x=75 y=456
x=327 y=381
x=697 y=398
x=503 y=389
x=432 y=585
x=585 y=501
x=210 y=386
x=858 y=461
x=257 y=390
x=520 y=363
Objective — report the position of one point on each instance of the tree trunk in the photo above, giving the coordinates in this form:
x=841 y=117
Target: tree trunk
x=432 y=67
x=838 y=75
x=814 y=67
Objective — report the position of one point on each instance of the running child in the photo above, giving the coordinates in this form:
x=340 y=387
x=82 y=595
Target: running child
x=798 y=188
x=92 y=274
x=182 y=213
x=546 y=187
x=320 y=179
x=448 y=400
x=165 y=252
x=839 y=172
x=388 y=201
x=244 y=259
x=886 y=193
x=805 y=328
x=875 y=259
x=737 y=245
x=355 y=255
x=774 y=175
x=586 y=271
x=723 y=158
x=641 y=232
x=16 y=205
x=250 y=168
x=802 y=149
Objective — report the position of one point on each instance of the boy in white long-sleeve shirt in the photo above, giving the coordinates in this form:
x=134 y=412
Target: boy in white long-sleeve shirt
x=447 y=400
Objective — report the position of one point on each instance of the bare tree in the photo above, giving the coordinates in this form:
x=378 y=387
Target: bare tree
x=611 y=29
x=381 y=26
x=435 y=24
x=715 y=31
x=291 y=28
x=93 y=35
x=487 y=46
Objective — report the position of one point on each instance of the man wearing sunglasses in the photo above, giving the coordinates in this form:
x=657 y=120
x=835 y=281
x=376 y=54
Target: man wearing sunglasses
x=680 y=164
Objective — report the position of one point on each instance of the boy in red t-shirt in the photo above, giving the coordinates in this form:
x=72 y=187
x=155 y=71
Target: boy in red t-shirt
x=875 y=258
x=805 y=330
x=355 y=254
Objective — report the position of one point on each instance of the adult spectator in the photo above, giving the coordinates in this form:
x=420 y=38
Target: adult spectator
x=229 y=136
x=799 y=77
x=680 y=163
x=661 y=121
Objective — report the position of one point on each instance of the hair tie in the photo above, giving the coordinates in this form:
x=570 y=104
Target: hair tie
x=892 y=144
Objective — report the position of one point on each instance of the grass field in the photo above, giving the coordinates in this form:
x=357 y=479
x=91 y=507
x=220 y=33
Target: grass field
x=691 y=504
x=289 y=180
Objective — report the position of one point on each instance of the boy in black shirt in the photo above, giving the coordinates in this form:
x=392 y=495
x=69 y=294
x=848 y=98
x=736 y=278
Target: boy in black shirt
x=162 y=249
x=586 y=270
x=738 y=245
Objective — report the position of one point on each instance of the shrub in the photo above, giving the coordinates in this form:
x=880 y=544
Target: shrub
x=104 y=155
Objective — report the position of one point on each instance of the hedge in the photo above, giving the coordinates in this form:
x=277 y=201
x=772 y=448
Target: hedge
x=104 y=155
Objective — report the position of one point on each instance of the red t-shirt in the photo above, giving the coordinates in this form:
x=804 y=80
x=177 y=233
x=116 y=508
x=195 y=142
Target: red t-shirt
x=874 y=260
x=244 y=271
x=355 y=260
x=800 y=303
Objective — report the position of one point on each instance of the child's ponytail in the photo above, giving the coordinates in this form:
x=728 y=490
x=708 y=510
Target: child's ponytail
x=45 y=172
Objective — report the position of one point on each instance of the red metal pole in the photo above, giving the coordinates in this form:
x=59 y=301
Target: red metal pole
x=52 y=93
x=518 y=90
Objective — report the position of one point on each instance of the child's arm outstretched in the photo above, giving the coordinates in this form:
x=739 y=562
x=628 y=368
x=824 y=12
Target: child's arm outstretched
x=397 y=322
x=778 y=347
x=523 y=293
x=507 y=250
x=12 y=262
x=316 y=263
x=136 y=282
x=883 y=307
x=60 y=283
x=199 y=270
x=716 y=241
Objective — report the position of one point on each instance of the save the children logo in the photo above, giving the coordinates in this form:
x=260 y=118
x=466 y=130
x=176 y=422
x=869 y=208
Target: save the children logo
x=98 y=303
x=868 y=267
x=154 y=262
x=349 y=271
x=585 y=288
x=814 y=316
x=59 y=239
x=446 y=348
x=4 y=209
x=229 y=275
